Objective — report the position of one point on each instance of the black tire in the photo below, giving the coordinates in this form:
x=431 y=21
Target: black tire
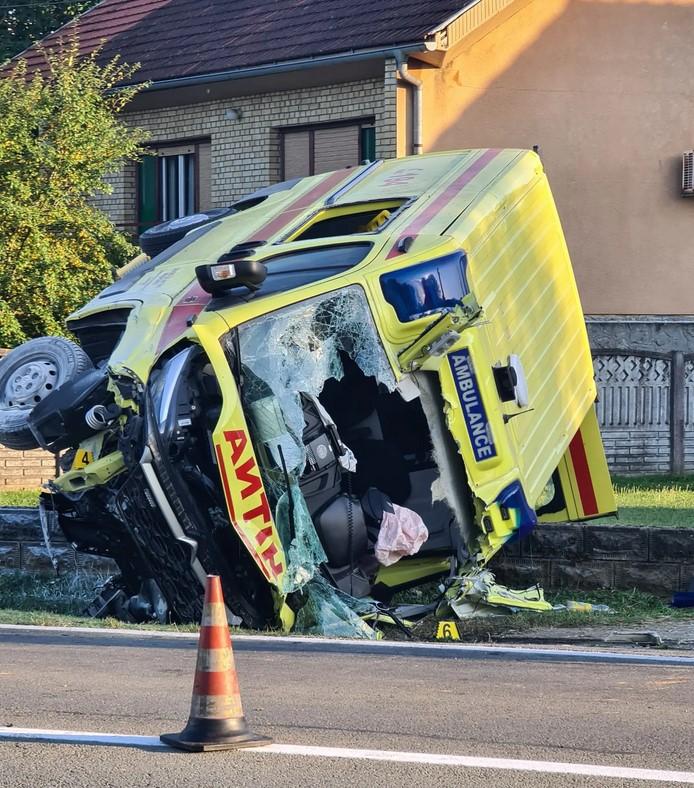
x=161 y=236
x=30 y=373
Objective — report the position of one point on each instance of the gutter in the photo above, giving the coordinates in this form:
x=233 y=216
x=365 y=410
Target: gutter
x=405 y=76
x=319 y=61
x=452 y=18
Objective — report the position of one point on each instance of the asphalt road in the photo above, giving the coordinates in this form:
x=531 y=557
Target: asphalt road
x=635 y=716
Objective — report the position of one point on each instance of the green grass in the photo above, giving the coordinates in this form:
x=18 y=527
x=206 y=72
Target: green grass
x=642 y=500
x=51 y=601
x=66 y=595
x=44 y=618
x=19 y=498
x=631 y=609
x=654 y=500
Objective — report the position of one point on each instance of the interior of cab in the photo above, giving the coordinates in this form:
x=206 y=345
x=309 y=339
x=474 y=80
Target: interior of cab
x=348 y=220
x=391 y=442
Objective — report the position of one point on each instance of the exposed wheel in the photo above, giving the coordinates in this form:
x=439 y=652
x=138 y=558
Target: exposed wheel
x=30 y=373
x=161 y=236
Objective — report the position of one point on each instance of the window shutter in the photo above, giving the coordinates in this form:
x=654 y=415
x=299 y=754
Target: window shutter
x=297 y=156
x=147 y=193
x=204 y=176
x=335 y=148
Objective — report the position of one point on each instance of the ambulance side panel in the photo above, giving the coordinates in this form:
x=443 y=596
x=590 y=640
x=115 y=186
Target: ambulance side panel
x=584 y=490
x=520 y=272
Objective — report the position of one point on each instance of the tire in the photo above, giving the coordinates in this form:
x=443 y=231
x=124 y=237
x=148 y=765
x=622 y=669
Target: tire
x=30 y=373
x=161 y=236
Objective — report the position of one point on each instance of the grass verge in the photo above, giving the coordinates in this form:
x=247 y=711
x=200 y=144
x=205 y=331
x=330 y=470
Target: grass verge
x=42 y=601
x=631 y=609
x=19 y=498
x=653 y=500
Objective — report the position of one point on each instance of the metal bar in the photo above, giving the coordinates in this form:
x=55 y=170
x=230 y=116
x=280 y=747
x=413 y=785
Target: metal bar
x=164 y=197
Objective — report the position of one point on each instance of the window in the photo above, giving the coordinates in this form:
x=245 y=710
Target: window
x=426 y=288
x=348 y=220
x=310 y=150
x=290 y=270
x=173 y=181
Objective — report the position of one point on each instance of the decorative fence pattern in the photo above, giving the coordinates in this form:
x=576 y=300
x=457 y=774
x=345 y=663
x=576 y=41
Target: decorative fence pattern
x=646 y=410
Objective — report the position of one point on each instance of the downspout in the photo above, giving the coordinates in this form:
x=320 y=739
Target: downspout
x=405 y=76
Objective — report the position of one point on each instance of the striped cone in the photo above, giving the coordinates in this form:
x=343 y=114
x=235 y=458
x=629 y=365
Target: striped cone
x=216 y=719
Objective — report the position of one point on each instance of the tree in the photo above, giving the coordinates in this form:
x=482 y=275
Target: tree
x=22 y=24
x=61 y=133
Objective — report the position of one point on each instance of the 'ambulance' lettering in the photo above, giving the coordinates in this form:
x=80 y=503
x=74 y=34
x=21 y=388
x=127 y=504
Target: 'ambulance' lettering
x=474 y=412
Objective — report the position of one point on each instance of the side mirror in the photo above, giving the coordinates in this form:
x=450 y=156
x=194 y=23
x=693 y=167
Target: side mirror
x=217 y=278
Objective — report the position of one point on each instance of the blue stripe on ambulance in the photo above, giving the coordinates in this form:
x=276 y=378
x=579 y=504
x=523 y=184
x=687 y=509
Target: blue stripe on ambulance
x=474 y=411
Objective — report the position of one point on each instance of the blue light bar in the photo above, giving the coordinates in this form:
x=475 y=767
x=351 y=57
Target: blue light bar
x=426 y=288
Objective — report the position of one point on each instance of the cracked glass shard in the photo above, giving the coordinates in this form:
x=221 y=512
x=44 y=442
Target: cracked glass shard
x=298 y=348
x=286 y=356
x=49 y=520
x=328 y=611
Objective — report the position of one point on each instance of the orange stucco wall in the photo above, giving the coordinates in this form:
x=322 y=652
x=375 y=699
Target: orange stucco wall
x=606 y=89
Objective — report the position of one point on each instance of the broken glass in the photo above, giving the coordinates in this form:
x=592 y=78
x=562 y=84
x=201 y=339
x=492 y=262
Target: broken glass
x=283 y=356
x=329 y=611
x=303 y=549
x=297 y=349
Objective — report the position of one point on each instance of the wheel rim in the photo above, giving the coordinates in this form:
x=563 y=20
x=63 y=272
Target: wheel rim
x=30 y=383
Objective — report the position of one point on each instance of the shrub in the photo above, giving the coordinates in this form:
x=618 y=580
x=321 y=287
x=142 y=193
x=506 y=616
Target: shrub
x=61 y=135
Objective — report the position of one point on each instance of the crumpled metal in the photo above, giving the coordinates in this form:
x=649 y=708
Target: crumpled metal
x=478 y=594
x=284 y=355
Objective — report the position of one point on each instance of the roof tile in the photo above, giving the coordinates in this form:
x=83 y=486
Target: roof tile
x=172 y=38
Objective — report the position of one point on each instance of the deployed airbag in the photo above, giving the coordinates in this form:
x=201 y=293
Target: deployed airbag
x=402 y=533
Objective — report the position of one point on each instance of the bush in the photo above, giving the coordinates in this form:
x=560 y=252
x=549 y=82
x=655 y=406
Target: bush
x=61 y=134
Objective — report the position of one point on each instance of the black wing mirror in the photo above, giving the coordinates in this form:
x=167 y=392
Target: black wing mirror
x=217 y=278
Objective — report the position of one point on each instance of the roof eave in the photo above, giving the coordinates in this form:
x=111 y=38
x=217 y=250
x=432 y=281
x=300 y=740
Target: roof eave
x=290 y=65
x=459 y=25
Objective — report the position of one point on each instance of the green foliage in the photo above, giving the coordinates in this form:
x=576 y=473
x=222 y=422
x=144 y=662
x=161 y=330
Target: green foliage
x=25 y=23
x=60 y=135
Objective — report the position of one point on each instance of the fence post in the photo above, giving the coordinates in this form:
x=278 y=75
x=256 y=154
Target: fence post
x=677 y=413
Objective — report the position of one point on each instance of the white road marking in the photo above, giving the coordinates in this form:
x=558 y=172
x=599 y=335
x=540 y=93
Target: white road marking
x=467 y=649
x=435 y=759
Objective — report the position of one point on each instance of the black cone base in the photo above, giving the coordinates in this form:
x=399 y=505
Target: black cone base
x=201 y=735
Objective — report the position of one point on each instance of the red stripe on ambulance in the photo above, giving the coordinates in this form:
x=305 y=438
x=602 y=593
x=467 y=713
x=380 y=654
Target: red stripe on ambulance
x=420 y=221
x=582 y=473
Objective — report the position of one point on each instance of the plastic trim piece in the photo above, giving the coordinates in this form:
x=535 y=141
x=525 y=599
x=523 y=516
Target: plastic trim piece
x=168 y=513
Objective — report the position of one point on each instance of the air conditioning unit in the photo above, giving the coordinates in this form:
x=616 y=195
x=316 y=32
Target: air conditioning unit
x=688 y=173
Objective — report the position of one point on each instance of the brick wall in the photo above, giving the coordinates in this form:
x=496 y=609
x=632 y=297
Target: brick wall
x=586 y=557
x=245 y=153
x=23 y=470
x=580 y=557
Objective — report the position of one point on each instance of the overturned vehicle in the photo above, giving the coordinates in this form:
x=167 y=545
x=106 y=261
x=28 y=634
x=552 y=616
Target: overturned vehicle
x=344 y=386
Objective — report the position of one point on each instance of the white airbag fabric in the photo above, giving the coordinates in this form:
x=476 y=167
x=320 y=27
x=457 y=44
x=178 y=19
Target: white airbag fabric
x=402 y=533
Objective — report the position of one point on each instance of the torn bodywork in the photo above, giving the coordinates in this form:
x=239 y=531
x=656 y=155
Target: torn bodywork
x=346 y=386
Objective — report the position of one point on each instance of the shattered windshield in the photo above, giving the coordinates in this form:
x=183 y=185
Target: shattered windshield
x=286 y=358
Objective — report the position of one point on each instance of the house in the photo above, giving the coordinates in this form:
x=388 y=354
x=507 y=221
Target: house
x=249 y=92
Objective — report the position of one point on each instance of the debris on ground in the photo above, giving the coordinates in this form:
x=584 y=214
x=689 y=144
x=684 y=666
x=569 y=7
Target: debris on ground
x=478 y=594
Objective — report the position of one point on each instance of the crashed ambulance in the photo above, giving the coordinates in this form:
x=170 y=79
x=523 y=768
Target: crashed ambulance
x=343 y=386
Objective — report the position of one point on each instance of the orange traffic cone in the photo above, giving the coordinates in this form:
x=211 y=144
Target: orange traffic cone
x=216 y=719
